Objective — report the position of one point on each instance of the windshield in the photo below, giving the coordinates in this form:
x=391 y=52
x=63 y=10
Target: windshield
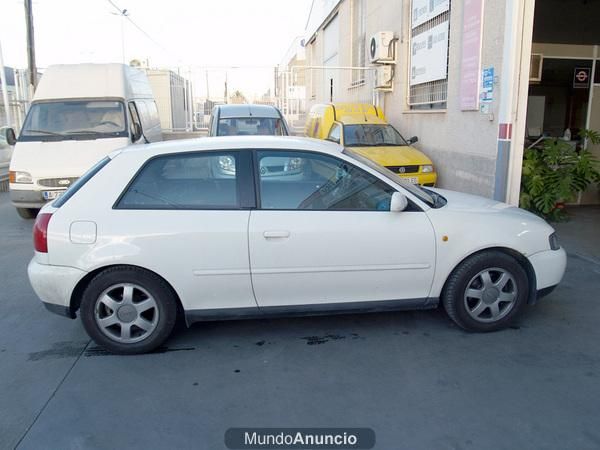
x=369 y=135
x=74 y=119
x=250 y=126
x=426 y=196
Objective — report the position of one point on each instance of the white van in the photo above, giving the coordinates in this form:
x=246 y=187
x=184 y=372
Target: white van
x=79 y=114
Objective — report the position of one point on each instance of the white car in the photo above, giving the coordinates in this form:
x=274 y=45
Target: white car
x=195 y=228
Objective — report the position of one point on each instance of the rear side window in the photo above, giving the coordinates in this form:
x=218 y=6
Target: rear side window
x=80 y=182
x=185 y=181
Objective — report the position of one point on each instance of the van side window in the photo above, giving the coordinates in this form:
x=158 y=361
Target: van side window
x=335 y=133
x=134 y=117
x=153 y=111
x=143 y=114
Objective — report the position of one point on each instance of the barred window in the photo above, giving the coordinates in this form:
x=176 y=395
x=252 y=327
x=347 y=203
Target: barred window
x=358 y=41
x=429 y=93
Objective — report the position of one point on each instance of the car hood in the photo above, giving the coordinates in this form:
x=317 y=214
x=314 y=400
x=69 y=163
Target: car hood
x=393 y=156
x=459 y=201
x=69 y=158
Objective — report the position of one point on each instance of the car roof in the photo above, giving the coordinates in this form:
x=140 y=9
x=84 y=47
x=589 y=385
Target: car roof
x=234 y=143
x=248 y=110
x=361 y=120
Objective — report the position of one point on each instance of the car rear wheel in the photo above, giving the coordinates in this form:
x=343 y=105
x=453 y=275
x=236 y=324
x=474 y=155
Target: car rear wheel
x=486 y=292
x=128 y=310
x=27 y=213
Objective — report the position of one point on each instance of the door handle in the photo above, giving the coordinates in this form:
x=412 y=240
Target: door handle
x=276 y=234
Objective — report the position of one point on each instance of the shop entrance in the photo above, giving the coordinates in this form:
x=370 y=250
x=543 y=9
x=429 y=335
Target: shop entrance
x=559 y=103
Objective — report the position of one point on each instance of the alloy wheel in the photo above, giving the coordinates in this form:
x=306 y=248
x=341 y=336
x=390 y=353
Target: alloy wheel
x=490 y=295
x=126 y=313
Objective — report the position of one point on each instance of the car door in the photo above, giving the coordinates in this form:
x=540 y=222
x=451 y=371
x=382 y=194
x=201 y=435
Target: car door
x=323 y=235
x=186 y=218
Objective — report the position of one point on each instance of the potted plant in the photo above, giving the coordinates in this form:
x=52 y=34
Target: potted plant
x=555 y=174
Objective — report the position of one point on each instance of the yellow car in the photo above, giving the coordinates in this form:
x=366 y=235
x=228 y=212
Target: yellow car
x=363 y=128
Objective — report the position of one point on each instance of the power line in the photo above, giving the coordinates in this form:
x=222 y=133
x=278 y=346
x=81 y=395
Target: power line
x=123 y=12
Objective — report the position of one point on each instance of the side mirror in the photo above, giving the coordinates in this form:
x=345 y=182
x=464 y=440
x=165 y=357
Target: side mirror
x=399 y=202
x=137 y=132
x=9 y=135
x=413 y=140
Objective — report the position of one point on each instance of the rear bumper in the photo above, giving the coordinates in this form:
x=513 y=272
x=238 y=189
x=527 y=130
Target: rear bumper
x=549 y=267
x=54 y=285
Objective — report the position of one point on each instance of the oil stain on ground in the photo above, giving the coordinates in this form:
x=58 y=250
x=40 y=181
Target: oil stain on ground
x=59 y=350
x=318 y=340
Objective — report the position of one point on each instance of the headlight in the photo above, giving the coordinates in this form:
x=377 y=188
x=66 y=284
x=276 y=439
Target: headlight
x=427 y=169
x=19 y=177
x=554 y=244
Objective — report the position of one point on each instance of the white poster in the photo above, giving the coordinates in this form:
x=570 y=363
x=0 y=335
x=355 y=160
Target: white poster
x=425 y=10
x=429 y=55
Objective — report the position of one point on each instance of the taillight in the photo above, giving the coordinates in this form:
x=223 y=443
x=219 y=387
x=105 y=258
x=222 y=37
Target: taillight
x=40 y=232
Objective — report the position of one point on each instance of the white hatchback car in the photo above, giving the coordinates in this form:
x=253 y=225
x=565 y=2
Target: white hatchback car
x=202 y=229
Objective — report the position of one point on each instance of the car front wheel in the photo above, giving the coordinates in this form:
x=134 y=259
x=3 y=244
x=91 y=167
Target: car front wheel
x=128 y=310
x=486 y=292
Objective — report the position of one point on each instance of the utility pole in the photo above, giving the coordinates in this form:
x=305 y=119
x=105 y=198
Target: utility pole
x=30 y=45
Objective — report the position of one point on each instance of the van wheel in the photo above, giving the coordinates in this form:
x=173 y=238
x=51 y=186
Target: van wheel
x=486 y=292
x=128 y=310
x=27 y=213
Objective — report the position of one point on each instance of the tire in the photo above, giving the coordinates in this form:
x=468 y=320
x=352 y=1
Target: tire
x=27 y=213
x=128 y=310
x=469 y=295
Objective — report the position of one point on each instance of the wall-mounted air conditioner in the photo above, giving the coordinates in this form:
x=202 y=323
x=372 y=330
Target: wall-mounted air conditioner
x=384 y=76
x=381 y=49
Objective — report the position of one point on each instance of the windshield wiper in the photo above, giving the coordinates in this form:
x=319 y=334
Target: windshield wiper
x=51 y=133
x=88 y=132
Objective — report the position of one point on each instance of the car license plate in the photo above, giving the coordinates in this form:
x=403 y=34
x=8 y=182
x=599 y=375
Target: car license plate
x=413 y=180
x=51 y=195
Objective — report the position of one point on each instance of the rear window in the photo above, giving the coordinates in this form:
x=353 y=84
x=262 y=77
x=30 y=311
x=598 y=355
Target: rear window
x=251 y=126
x=80 y=182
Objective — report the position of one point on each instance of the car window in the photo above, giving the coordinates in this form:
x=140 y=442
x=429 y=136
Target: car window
x=312 y=181
x=334 y=134
x=250 y=126
x=185 y=181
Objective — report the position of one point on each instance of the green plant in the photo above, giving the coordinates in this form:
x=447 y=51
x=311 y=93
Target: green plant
x=555 y=174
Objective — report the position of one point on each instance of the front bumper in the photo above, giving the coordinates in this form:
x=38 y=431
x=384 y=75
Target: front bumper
x=28 y=198
x=549 y=267
x=424 y=179
x=54 y=285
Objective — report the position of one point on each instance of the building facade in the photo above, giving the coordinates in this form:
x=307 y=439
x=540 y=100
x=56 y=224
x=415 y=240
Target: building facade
x=441 y=51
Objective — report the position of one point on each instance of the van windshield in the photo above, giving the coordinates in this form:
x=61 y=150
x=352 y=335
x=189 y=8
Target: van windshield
x=372 y=135
x=250 y=126
x=74 y=119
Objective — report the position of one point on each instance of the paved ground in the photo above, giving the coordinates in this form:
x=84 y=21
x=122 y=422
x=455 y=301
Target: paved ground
x=414 y=378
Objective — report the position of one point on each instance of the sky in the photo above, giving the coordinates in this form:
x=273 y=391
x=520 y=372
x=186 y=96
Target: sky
x=201 y=34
